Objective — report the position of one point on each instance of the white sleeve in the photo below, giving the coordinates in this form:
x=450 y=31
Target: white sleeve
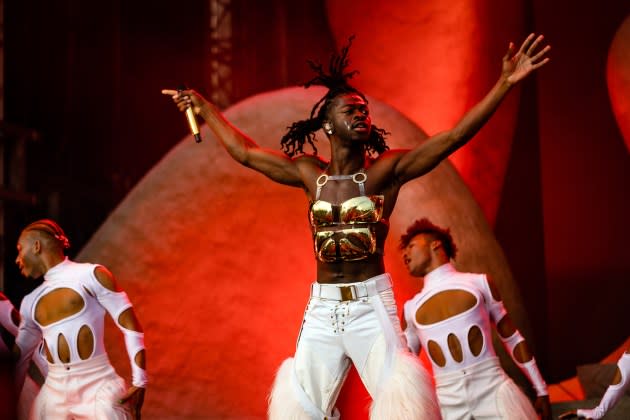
x=115 y=303
x=28 y=338
x=530 y=368
x=6 y=308
x=613 y=393
x=411 y=333
x=495 y=308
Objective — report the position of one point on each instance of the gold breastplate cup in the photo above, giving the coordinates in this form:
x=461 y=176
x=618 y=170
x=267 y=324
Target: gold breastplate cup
x=346 y=232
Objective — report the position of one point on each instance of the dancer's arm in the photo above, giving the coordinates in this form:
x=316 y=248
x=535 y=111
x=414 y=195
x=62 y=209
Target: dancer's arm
x=28 y=338
x=516 y=66
x=117 y=304
x=517 y=348
x=9 y=321
x=612 y=396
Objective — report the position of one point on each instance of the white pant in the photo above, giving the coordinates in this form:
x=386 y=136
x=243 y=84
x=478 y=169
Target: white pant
x=482 y=391
x=88 y=389
x=364 y=331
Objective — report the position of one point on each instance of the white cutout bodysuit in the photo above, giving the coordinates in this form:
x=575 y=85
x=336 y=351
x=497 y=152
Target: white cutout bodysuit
x=454 y=374
x=481 y=315
x=96 y=300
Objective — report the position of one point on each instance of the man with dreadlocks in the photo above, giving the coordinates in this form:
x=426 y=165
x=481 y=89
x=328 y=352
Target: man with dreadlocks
x=67 y=310
x=351 y=316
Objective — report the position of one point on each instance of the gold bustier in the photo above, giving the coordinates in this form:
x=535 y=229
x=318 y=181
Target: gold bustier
x=346 y=231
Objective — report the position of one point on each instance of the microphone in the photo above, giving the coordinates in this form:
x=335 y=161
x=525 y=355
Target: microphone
x=190 y=116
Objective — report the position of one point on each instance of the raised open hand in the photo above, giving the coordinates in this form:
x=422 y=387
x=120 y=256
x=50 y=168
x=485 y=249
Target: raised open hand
x=516 y=66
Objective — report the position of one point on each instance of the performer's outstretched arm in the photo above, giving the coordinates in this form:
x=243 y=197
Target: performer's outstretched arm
x=243 y=149
x=516 y=66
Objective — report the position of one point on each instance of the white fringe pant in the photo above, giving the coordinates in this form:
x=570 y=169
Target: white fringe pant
x=88 y=389
x=482 y=392
x=366 y=332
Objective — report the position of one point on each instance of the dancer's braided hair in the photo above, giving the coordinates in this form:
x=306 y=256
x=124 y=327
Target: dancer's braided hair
x=336 y=81
x=52 y=230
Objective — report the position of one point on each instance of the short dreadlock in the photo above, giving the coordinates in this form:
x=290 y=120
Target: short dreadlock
x=336 y=81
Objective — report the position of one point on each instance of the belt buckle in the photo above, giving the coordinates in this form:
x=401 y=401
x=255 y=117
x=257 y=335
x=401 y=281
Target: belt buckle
x=347 y=293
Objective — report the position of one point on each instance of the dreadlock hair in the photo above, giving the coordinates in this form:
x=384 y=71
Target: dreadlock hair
x=425 y=226
x=301 y=132
x=51 y=229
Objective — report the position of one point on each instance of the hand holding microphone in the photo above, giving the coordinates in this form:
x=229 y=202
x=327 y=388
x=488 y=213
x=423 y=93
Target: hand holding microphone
x=187 y=108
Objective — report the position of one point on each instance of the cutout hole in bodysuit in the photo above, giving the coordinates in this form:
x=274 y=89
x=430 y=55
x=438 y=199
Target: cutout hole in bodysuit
x=139 y=359
x=436 y=353
x=455 y=347
x=58 y=304
x=85 y=342
x=520 y=352
x=618 y=374
x=618 y=377
x=128 y=320
x=63 y=350
x=444 y=305
x=475 y=340
x=505 y=327
x=48 y=355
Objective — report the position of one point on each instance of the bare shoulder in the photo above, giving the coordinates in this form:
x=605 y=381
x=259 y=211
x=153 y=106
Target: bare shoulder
x=310 y=162
x=310 y=167
x=389 y=157
x=106 y=278
x=382 y=169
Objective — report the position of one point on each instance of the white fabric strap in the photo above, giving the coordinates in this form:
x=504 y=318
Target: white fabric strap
x=359 y=178
x=530 y=369
x=134 y=341
x=393 y=342
x=495 y=307
x=613 y=393
x=114 y=302
x=512 y=341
